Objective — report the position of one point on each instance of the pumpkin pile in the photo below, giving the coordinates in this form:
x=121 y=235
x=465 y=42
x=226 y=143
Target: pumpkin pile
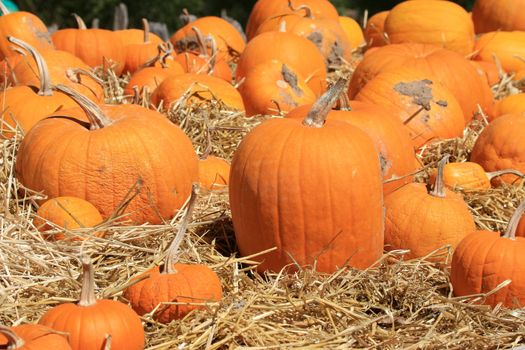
x=306 y=181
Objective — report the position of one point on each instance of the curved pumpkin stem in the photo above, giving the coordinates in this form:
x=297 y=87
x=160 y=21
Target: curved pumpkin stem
x=145 y=24
x=186 y=17
x=514 y=221
x=201 y=42
x=164 y=51
x=13 y=341
x=87 y=293
x=4 y=9
x=80 y=22
x=213 y=57
x=494 y=174
x=95 y=115
x=43 y=71
x=439 y=186
x=171 y=257
x=307 y=9
x=317 y=115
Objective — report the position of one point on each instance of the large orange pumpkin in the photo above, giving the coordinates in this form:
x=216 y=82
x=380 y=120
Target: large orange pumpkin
x=311 y=188
x=375 y=30
x=441 y=23
x=125 y=153
x=507 y=47
x=32 y=337
x=492 y=15
x=484 y=260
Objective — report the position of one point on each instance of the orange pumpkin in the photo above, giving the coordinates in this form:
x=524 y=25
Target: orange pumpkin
x=375 y=30
x=214 y=172
x=150 y=78
x=138 y=54
x=441 y=23
x=489 y=70
x=494 y=152
x=353 y=31
x=507 y=47
x=316 y=208
x=69 y=213
x=96 y=47
x=91 y=322
x=155 y=155
x=198 y=88
x=291 y=50
x=484 y=260
x=493 y=15
x=272 y=87
x=448 y=68
x=7 y=66
x=138 y=36
x=423 y=222
x=512 y=104
x=32 y=337
x=427 y=108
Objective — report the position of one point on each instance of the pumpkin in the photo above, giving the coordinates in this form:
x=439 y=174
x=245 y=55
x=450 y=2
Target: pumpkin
x=178 y=283
x=138 y=54
x=494 y=152
x=507 y=47
x=291 y=50
x=312 y=189
x=138 y=36
x=214 y=172
x=489 y=70
x=230 y=43
x=353 y=31
x=91 y=322
x=272 y=87
x=198 y=88
x=493 y=15
x=469 y=176
x=7 y=65
x=326 y=34
x=374 y=32
x=512 y=104
x=96 y=47
x=448 y=68
x=69 y=213
x=264 y=9
x=150 y=78
x=32 y=337
x=423 y=222
x=24 y=26
x=125 y=153
x=396 y=152
x=23 y=106
x=427 y=108
x=484 y=260
x=441 y=23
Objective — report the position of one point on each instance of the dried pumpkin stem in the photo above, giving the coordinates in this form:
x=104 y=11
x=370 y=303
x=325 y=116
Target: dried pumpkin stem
x=344 y=103
x=439 y=186
x=514 y=221
x=185 y=17
x=43 y=71
x=213 y=58
x=317 y=115
x=173 y=249
x=80 y=22
x=95 y=115
x=145 y=24
x=13 y=341
x=494 y=174
x=87 y=293
x=201 y=42
x=307 y=9
x=4 y=9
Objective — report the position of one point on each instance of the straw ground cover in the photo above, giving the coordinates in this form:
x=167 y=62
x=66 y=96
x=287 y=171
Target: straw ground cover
x=395 y=304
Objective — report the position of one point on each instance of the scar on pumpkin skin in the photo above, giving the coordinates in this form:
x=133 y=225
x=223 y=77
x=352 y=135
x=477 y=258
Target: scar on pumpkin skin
x=291 y=78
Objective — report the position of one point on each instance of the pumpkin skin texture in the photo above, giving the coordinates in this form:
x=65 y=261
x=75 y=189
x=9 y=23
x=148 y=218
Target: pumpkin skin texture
x=375 y=30
x=214 y=173
x=512 y=104
x=493 y=15
x=391 y=138
x=204 y=88
x=508 y=47
x=62 y=157
x=193 y=63
x=437 y=115
x=441 y=23
x=264 y=9
x=89 y=321
x=448 y=68
x=291 y=50
x=32 y=337
x=489 y=70
x=500 y=146
x=353 y=31
x=282 y=174
x=67 y=212
x=424 y=222
x=151 y=78
x=271 y=87
x=520 y=231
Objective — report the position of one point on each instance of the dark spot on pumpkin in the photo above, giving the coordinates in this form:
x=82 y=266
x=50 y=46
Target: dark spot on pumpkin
x=442 y=103
x=102 y=169
x=317 y=38
x=425 y=118
x=189 y=43
x=386 y=164
x=419 y=90
x=291 y=79
x=336 y=54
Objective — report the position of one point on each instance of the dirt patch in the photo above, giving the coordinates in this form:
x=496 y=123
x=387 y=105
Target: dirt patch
x=291 y=79
x=419 y=90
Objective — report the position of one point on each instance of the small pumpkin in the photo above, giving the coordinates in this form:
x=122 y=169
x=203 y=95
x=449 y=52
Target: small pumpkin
x=91 y=322
x=32 y=337
x=512 y=104
x=138 y=36
x=503 y=15
x=173 y=282
x=484 y=260
x=423 y=222
x=69 y=213
x=214 y=172
x=507 y=47
x=138 y=54
x=375 y=30
x=353 y=31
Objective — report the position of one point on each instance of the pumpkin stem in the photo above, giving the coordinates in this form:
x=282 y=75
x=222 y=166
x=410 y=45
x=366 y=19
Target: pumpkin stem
x=494 y=174
x=165 y=49
x=13 y=341
x=87 y=293
x=439 y=187
x=43 y=71
x=201 y=42
x=213 y=57
x=145 y=24
x=514 y=221
x=317 y=115
x=307 y=10
x=282 y=27
x=173 y=249
x=186 y=17
x=344 y=103
x=80 y=22
x=96 y=117
x=4 y=9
